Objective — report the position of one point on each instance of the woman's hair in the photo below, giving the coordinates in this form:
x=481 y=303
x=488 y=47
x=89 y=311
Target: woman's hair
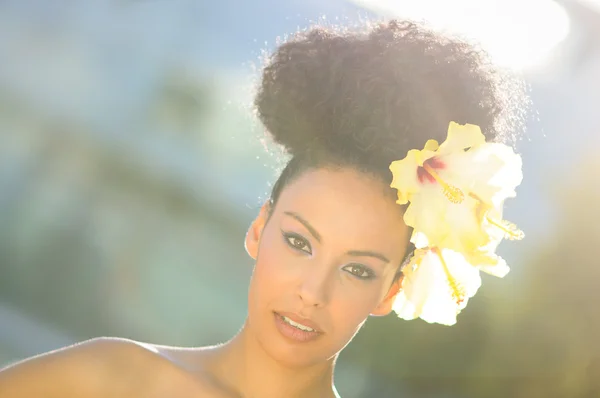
x=361 y=98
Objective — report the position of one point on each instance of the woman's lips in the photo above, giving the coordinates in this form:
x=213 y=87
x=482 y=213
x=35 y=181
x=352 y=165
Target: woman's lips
x=294 y=333
x=302 y=321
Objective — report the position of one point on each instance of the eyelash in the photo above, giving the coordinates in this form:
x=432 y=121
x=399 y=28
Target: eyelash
x=363 y=272
x=292 y=240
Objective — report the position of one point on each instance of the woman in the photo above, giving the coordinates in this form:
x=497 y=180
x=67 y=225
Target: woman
x=335 y=242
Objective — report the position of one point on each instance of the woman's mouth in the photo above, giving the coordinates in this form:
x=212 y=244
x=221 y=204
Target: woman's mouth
x=298 y=325
x=296 y=329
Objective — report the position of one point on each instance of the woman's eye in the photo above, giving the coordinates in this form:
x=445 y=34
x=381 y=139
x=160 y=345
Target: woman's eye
x=360 y=271
x=297 y=242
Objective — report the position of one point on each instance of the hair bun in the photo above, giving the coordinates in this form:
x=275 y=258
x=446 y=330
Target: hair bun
x=375 y=93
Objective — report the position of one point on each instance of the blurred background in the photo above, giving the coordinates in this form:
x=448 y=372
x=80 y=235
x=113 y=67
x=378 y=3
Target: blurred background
x=131 y=166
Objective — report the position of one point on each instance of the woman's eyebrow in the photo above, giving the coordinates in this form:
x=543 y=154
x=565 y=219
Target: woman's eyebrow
x=368 y=253
x=309 y=227
x=317 y=236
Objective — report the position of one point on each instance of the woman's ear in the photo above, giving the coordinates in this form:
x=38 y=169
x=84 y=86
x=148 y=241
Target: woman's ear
x=387 y=304
x=252 y=241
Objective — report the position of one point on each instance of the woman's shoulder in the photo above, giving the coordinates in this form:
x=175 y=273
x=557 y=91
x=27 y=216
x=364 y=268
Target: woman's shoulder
x=173 y=370
x=100 y=367
x=178 y=371
x=91 y=368
x=133 y=354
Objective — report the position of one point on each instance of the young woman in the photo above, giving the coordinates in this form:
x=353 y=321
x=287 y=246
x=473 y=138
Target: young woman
x=360 y=222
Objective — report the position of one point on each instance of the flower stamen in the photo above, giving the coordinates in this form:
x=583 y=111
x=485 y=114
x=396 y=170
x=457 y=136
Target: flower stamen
x=511 y=232
x=457 y=290
x=452 y=193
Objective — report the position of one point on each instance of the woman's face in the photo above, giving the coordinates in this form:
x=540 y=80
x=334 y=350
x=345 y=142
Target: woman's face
x=326 y=259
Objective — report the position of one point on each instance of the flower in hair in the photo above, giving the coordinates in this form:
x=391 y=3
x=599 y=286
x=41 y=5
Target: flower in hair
x=455 y=192
x=437 y=285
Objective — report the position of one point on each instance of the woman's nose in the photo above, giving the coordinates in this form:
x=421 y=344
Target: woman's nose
x=315 y=287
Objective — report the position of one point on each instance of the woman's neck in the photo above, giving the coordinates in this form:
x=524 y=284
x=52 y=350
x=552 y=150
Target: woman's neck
x=243 y=366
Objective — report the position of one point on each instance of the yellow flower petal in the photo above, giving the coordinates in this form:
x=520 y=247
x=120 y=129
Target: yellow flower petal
x=461 y=137
x=438 y=222
x=490 y=263
x=431 y=145
x=405 y=309
x=426 y=214
x=405 y=179
x=500 y=173
x=469 y=225
x=455 y=192
x=430 y=283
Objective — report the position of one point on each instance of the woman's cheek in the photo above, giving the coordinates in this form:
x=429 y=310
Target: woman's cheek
x=273 y=260
x=357 y=299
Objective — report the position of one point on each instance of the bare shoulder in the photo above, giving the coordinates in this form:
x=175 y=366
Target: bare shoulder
x=100 y=367
x=93 y=368
x=189 y=370
x=178 y=371
x=165 y=371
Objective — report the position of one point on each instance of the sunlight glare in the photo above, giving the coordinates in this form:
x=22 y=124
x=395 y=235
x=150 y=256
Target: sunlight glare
x=519 y=34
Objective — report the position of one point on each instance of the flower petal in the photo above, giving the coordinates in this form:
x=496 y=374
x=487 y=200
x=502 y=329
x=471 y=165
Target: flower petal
x=456 y=218
x=426 y=214
x=405 y=309
x=461 y=137
x=492 y=264
x=438 y=222
x=465 y=222
x=426 y=289
x=487 y=179
x=404 y=173
x=509 y=176
x=431 y=145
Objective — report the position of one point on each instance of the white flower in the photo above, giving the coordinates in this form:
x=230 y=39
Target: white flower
x=456 y=191
x=437 y=285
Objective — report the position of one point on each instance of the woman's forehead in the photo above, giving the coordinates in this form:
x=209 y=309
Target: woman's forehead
x=344 y=201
